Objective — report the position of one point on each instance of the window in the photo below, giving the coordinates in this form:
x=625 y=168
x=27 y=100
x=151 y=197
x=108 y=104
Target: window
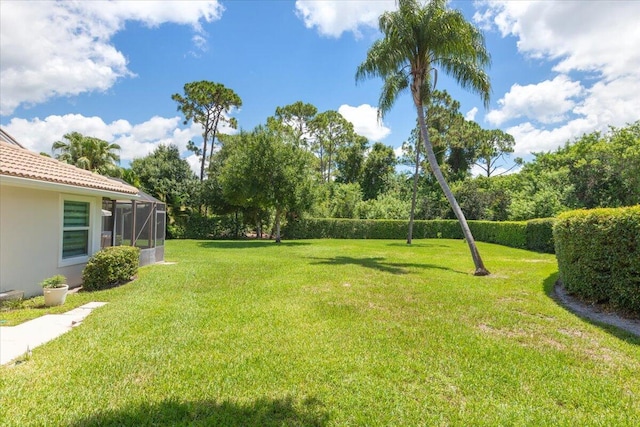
x=75 y=229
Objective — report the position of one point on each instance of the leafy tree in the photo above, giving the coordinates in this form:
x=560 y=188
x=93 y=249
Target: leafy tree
x=378 y=168
x=351 y=159
x=344 y=200
x=164 y=175
x=87 y=152
x=131 y=177
x=595 y=170
x=446 y=125
x=263 y=171
x=603 y=168
x=386 y=206
x=483 y=198
x=418 y=38
x=626 y=145
x=295 y=119
x=492 y=146
x=332 y=132
x=462 y=152
x=207 y=104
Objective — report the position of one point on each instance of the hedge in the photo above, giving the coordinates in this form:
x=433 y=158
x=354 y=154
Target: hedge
x=202 y=227
x=507 y=233
x=539 y=235
x=598 y=254
x=534 y=235
x=110 y=266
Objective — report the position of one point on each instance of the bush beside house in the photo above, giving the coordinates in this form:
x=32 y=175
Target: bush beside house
x=110 y=266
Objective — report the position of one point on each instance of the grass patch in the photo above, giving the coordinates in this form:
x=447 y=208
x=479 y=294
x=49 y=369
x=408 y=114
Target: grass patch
x=330 y=332
x=18 y=311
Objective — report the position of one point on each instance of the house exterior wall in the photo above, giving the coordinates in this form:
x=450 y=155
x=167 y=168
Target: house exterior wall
x=31 y=238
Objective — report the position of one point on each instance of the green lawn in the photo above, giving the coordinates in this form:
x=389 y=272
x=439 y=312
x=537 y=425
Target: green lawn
x=330 y=332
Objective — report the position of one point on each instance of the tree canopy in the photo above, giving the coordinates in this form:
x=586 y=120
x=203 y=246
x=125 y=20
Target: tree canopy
x=164 y=175
x=208 y=104
x=264 y=171
x=87 y=152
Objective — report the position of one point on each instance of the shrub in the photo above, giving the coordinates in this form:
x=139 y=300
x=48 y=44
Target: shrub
x=539 y=235
x=203 y=227
x=536 y=235
x=507 y=233
x=438 y=228
x=110 y=266
x=598 y=254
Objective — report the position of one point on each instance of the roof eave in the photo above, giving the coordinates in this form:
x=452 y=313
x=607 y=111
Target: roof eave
x=64 y=188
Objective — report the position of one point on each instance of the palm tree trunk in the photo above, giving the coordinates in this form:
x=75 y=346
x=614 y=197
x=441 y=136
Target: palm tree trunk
x=435 y=168
x=415 y=191
x=278 y=213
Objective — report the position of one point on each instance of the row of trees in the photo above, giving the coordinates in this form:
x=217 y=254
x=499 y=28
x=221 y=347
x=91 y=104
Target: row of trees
x=304 y=161
x=596 y=170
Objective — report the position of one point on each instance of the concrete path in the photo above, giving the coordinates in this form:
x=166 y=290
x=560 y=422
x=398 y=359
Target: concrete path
x=16 y=340
x=581 y=309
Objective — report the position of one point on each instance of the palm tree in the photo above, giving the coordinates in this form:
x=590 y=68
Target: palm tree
x=417 y=39
x=87 y=152
x=414 y=190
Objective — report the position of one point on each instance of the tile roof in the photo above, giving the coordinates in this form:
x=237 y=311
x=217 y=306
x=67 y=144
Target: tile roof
x=22 y=163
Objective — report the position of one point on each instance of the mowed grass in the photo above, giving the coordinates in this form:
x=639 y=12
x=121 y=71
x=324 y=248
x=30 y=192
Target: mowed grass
x=331 y=332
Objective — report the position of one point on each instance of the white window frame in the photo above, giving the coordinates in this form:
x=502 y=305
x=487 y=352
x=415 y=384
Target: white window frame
x=81 y=259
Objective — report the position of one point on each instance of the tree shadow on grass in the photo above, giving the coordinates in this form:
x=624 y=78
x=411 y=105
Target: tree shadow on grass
x=378 y=263
x=262 y=412
x=424 y=243
x=588 y=313
x=248 y=244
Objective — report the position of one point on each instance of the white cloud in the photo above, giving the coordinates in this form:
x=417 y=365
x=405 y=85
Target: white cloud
x=53 y=49
x=605 y=104
x=334 y=17
x=586 y=36
x=530 y=138
x=546 y=102
x=471 y=114
x=365 y=121
x=614 y=102
x=597 y=38
x=194 y=162
x=136 y=140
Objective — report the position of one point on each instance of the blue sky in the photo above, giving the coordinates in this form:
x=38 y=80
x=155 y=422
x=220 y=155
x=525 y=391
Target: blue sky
x=108 y=69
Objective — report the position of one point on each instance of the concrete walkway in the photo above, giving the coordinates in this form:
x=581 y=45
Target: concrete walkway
x=590 y=312
x=16 y=340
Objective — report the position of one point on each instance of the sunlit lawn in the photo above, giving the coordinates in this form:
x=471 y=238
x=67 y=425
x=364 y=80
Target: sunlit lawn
x=330 y=332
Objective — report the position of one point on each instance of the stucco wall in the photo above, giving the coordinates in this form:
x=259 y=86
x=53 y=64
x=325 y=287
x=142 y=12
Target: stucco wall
x=30 y=238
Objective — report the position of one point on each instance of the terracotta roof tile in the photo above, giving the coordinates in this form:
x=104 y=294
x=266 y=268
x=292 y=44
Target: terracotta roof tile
x=20 y=162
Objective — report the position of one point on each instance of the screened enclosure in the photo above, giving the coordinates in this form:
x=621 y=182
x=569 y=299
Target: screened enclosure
x=140 y=223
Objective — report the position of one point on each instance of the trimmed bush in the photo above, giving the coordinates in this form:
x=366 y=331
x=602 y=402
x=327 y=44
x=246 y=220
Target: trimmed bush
x=507 y=233
x=598 y=254
x=504 y=233
x=203 y=228
x=339 y=228
x=539 y=235
x=111 y=266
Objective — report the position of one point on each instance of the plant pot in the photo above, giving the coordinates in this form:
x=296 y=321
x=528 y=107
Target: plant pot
x=55 y=296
